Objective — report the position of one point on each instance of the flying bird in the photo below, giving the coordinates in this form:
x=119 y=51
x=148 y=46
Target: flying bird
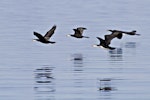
x=128 y=33
x=103 y=43
x=115 y=34
x=78 y=33
x=46 y=37
x=108 y=38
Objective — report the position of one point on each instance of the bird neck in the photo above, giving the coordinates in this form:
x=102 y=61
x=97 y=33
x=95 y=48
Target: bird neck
x=35 y=39
x=70 y=35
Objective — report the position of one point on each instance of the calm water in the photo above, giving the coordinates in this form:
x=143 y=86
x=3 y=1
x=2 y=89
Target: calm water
x=72 y=69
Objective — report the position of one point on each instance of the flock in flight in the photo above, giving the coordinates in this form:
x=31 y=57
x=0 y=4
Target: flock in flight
x=78 y=33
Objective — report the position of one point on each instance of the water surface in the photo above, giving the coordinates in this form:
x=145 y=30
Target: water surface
x=72 y=69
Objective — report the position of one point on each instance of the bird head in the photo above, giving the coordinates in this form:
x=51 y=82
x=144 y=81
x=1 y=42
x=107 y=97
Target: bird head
x=134 y=31
x=111 y=30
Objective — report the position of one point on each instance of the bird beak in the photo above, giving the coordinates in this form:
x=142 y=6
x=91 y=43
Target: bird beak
x=134 y=31
x=94 y=45
x=68 y=35
x=33 y=40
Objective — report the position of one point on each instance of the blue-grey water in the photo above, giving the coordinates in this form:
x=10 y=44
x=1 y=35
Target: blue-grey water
x=72 y=69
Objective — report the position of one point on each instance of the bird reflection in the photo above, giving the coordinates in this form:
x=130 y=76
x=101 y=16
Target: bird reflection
x=78 y=70
x=44 y=83
x=78 y=62
x=105 y=85
x=130 y=45
x=116 y=54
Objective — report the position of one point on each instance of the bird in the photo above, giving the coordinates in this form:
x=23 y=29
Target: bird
x=103 y=44
x=46 y=37
x=124 y=32
x=115 y=34
x=132 y=33
x=108 y=38
x=105 y=88
x=78 y=33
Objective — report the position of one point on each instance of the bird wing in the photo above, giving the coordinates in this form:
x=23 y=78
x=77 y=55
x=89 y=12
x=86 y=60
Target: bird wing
x=77 y=33
x=50 y=33
x=117 y=33
x=81 y=29
x=39 y=36
x=108 y=38
x=101 y=40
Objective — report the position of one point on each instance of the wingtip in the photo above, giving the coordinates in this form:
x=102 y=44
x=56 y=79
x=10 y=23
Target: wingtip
x=54 y=26
x=35 y=33
x=98 y=37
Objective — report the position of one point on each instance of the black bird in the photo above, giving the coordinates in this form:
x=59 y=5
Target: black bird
x=128 y=33
x=117 y=33
x=78 y=33
x=132 y=33
x=46 y=37
x=106 y=42
x=103 y=43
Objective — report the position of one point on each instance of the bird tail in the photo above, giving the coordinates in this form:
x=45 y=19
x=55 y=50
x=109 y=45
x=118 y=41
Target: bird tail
x=86 y=37
x=111 y=48
x=52 y=42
